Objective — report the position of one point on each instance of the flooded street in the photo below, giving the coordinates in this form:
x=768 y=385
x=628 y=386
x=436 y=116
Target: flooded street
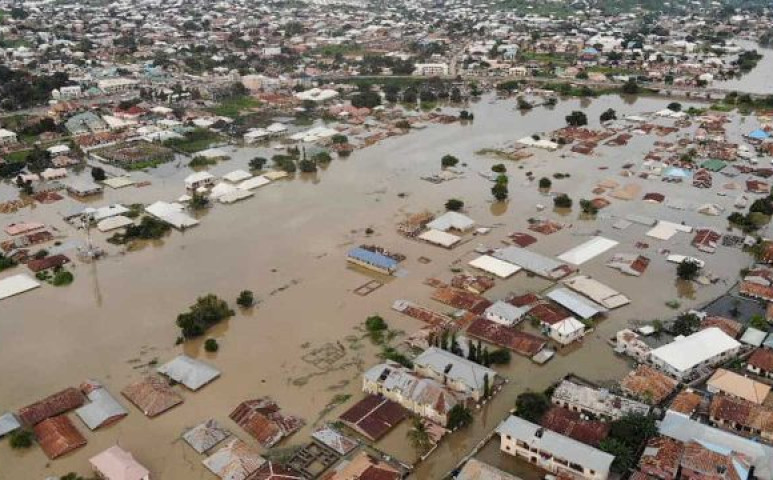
x=758 y=80
x=288 y=245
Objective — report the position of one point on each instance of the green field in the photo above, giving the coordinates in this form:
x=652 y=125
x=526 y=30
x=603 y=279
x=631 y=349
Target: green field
x=195 y=141
x=234 y=106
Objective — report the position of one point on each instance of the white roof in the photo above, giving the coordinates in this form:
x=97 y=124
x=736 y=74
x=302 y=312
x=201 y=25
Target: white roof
x=685 y=353
x=198 y=177
x=221 y=189
x=234 y=196
x=118 y=182
x=192 y=373
x=597 y=291
x=588 y=250
x=568 y=326
x=119 y=221
x=172 y=213
x=754 y=337
x=531 y=261
x=665 y=230
x=503 y=310
x=6 y=133
x=8 y=423
x=576 y=303
x=16 y=284
x=118 y=464
x=109 y=211
x=451 y=220
x=557 y=444
x=495 y=266
x=440 y=238
x=102 y=407
x=237 y=176
x=253 y=183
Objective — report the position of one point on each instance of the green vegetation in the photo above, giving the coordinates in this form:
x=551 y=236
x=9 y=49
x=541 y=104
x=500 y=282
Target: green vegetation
x=322 y=158
x=391 y=354
x=576 y=119
x=20 y=89
x=562 y=201
x=234 y=106
x=258 y=163
x=449 y=161
x=211 y=345
x=687 y=270
x=6 y=262
x=545 y=183
x=419 y=436
x=194 y=141
x=307 y=166
x=245 y=299
x=626 y=436
x=208 y=310
x=285 y=163
x=200 y=161
x=98 y=174
x=149 y=228
x=500 y=356
x=459 y=417
x=532 y=406
x=686 y=324
x=62 y=278
x=376 y=327
x=21 y=439
x=499 y=190
x=339 y=139
x=608 y=115
x=588 y=207
x=499 y=168
x=758 y=321
x=454 y=205
x=624 y=457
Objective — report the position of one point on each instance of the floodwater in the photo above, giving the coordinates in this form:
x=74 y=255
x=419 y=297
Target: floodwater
x=756 y=81
x=303 y=344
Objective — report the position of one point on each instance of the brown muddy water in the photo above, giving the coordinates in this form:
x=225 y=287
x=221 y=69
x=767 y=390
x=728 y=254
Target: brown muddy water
x=303 y=344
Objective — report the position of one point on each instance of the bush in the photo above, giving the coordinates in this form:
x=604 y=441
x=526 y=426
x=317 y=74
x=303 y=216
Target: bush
x=499 y=191
x=307 y=166
x=576 y=119
x=454 y=205
x=499 y=168
x=531 y=406
x=98 y=174
x=499 y=357
x=686 y=324
x=62 y=278
x=375 y=323
x=608 y=115
x=206 y=312
x=687 y=270
x=459 y=417
x=245 y=299
x=562 y=201
x=675 y=106
x=545 y=183
x=448 y=161
x=211 y=345
x=21 y=439
x=322 y=158
x=339 y=139
x=258 y=163
x=588 y=207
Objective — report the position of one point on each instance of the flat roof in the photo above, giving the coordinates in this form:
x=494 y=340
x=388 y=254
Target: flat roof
x=587 y=250
x=685 y=353
x=531 y=261
x=16 y=284
x=192 y=373
x=440 y=238
x=373 y=258
x=495 y=266
x=597 y=291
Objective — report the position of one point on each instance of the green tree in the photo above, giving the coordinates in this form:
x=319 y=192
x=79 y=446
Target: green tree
x=531 y=406
x=322 y=158
x=258 y=163
x=633 y=429
x=562 y=201
x=211 y=345
x=588 y=207
x=500 y=356
x=607 y=115
x=631 y=87
x=499 y=191
x=624 y=457
x=206 y=312
x=685 y=324
x=21 y=439
x=577 y=119
x=307 y=166
x=448 y=161
x=419 y=436
x=545 y=183
x=687 y=270
x=758 y=321
x=339 y=139
x=459 y=417
x=98 y=174
x=499 y=168
x=454 y=205
x=245 y=299
x=675 y=106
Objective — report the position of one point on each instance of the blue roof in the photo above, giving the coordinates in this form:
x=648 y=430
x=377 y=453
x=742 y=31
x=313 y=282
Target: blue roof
x=373 y=258
x=759 y=134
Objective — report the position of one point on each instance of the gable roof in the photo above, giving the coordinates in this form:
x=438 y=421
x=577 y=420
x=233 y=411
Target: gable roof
x=205 y=435
x=192 y=373
x=58 y=436
x=116 y=463
x=51 y=406
x=152 y=395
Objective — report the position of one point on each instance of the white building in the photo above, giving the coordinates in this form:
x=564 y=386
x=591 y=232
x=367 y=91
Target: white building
x=504 y=314
x=685 y=355
x=431 y=69
x=567 y=330
x=596 y=402
x=116 y=85
x=7 y=137
x=460 y=374
x=551 y=451
x=198 y=180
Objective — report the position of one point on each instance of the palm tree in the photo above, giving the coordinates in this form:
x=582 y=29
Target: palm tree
x=419 y=436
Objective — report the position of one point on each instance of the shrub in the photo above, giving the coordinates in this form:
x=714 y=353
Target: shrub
x=21 y=439
x=206 y=312
x=245 y=299
x=62 y=278
x=211 y=345
x=454 y=205
x=448 y=161
x=562 y=201
x=545 y=183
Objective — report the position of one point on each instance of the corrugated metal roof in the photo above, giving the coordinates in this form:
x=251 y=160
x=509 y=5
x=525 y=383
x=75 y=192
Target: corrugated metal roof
x=373 y=258
x=192 y=373
x=103 y=409
x=8 y=423
x=205 y=435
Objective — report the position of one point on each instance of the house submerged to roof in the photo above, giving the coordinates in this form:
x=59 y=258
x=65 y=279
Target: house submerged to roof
x=192 y=373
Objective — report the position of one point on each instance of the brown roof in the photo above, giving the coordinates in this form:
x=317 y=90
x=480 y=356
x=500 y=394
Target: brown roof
x=707 y=463
x=741 y=412
x=648 y=384
x=152 y=395
x=570 y=424
x=374 y=416
x=57 y=436
x=56 y=404
x=523 y=300
x=686 y=402
x=503 y=336
x=262 y=418
x=661 y=457
x=756 y=290
x=38 y=265
x=762 y=358
x=549 y=313
x=461 y=299
x=730 y=327
x=522 y=239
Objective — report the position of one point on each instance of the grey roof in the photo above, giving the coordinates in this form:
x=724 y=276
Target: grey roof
x=101 y=408
x=681 y=427
x=455 y=367
x=578 y=304
x=504 y=310
x=752 y=336
x=205 y=435
x=234 y=461
x=557 y=444
x=8 y=423
x=531 y=261
x=451 y=220
x=192 y=373
x=332 y=438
